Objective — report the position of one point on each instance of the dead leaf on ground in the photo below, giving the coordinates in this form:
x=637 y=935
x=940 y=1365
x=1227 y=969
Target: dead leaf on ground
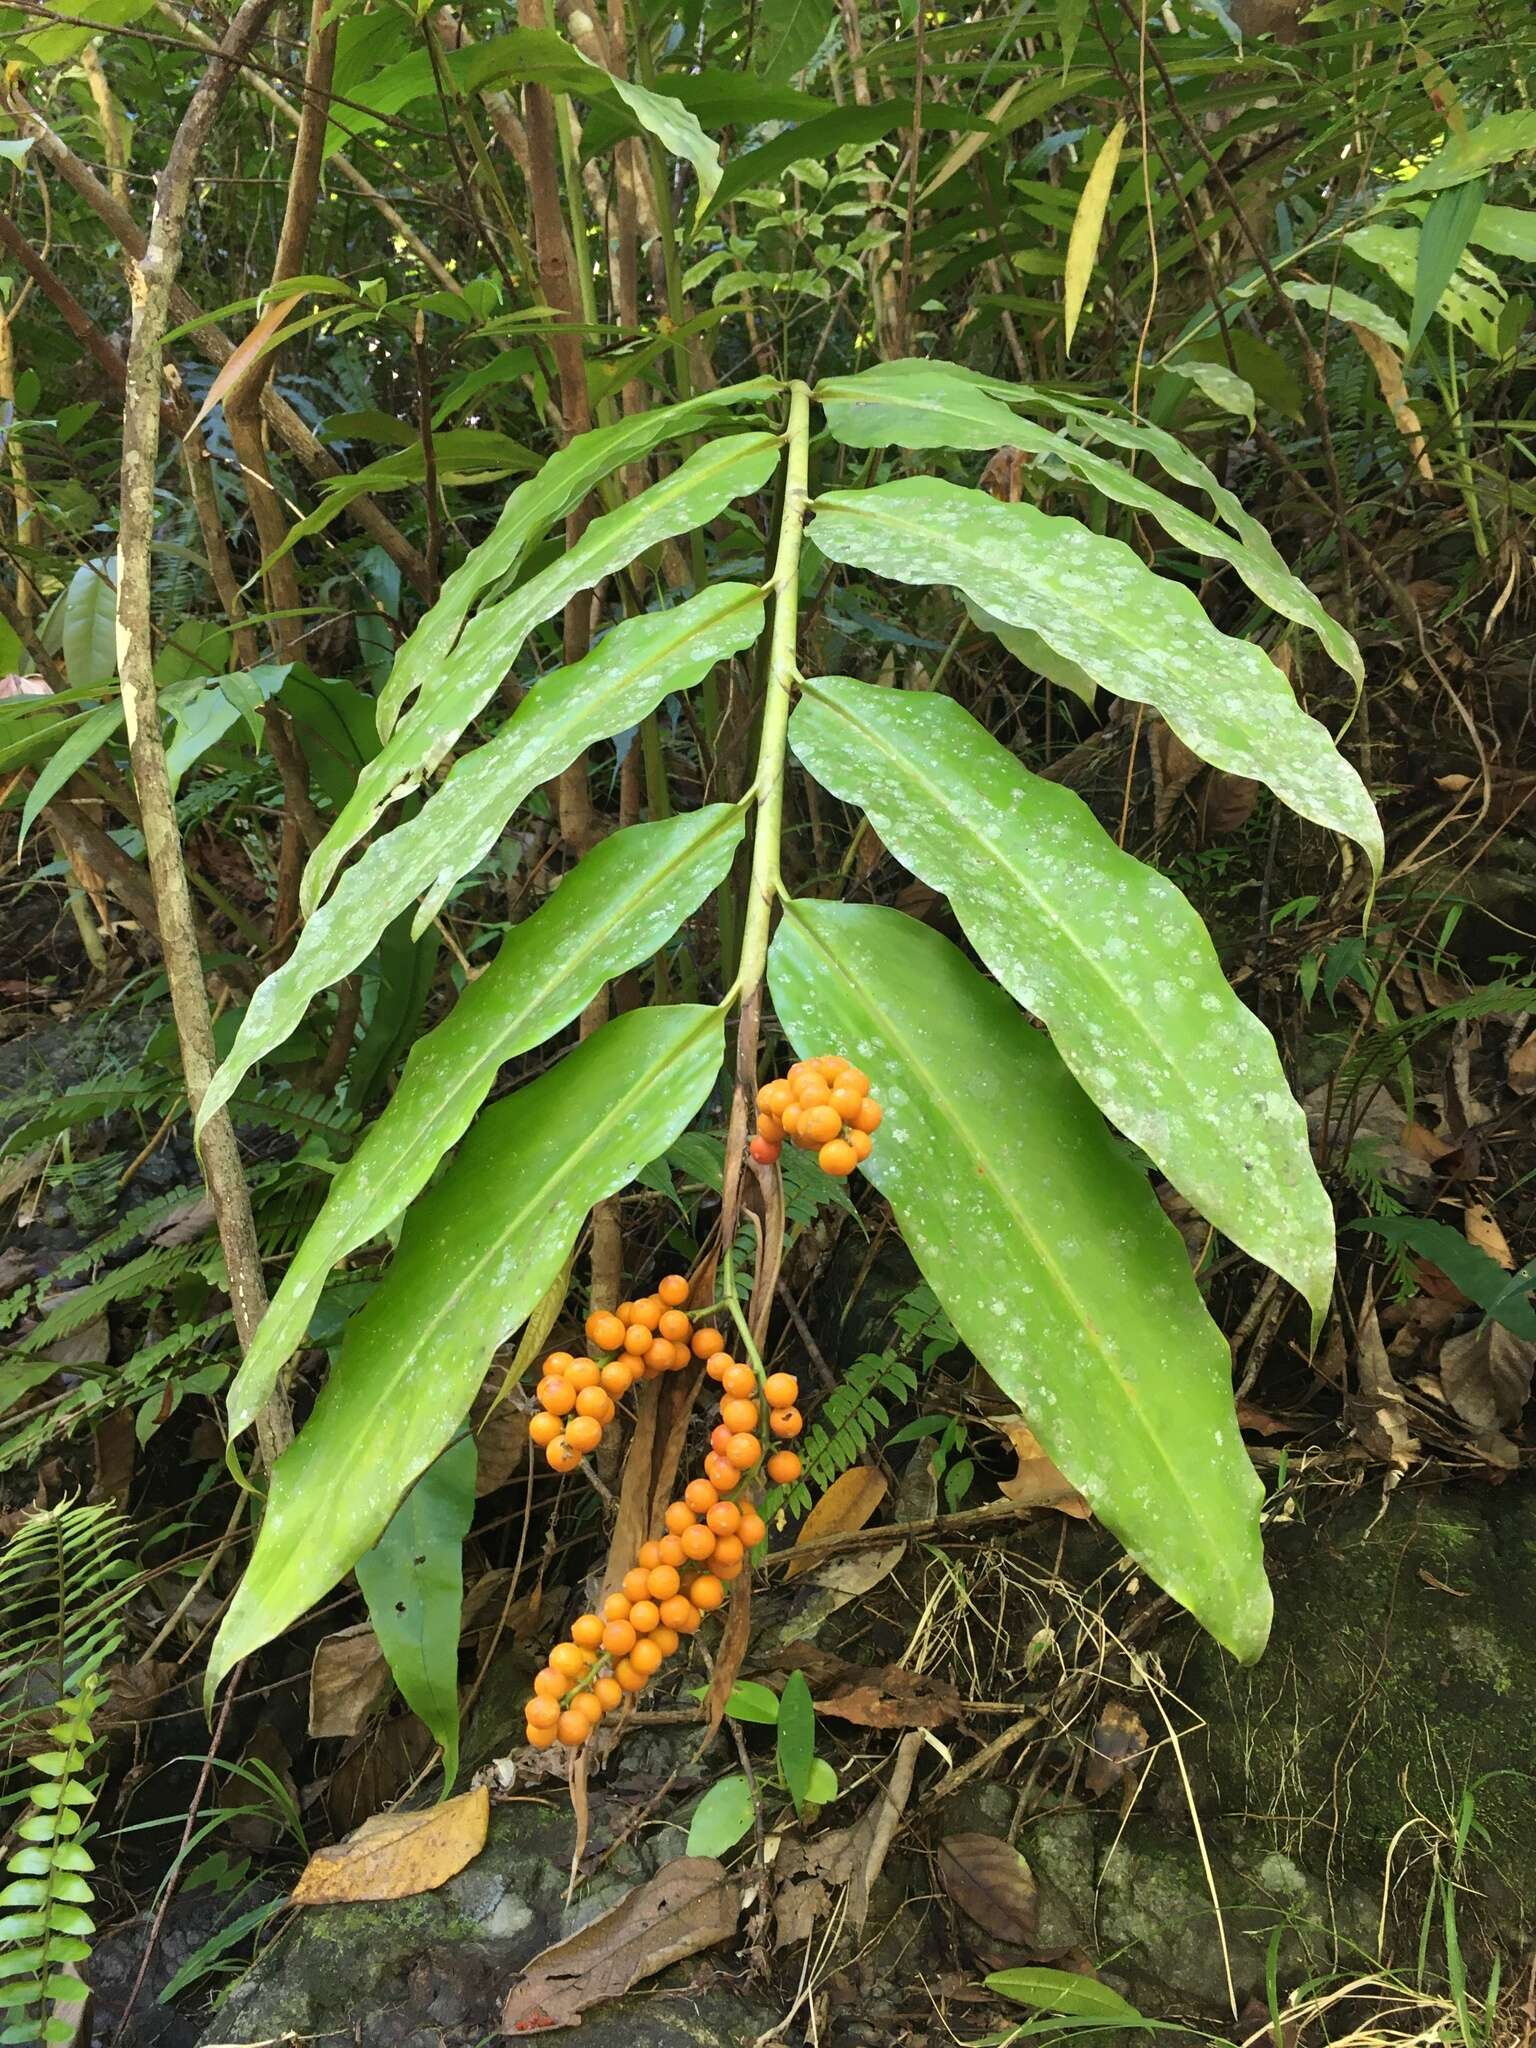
x=1482 y=1229
x=1118 y=1739
x=1425 y=1144
x=1379 y=1412
x=1486 y=1376
x=137 y=1689
x=1227 y=802
x=688 y=1906
x=347 y=1678
x=397 y=1855
x=991 y=1883
x=848 y=1504
x=1038 y=1483
x=376 y=1767
x=115 y=1442
x=1259 y=1420
x=1174 y=767
x=809 y=1874
x=501 y=1433
x=1521 y=1072
x=890 y=1697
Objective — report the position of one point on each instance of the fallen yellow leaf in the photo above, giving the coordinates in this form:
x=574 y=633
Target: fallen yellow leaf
x=1038 y=1483
x=846 y=1505
x=394 y=1855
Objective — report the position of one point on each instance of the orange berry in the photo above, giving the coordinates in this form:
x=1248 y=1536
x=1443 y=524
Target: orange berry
x=539 y=1738
x=813 y=1093
x=846 y=1103
x=609 y=1692
x=616 y=1607
x=664 y=1638
x=700 y=1496
x=820 y=1124
x=837 y=1158
x=673 y=1290
x=870 y=1115
x=830 y=1063
x=663 y=1582
x=706 y=1592
x=629 y=1678
x=674 y=1325
x=647 y=1555
x=769 y=1127
x=594 y=1402
x=584 y=1433
x=774 y=1097
x=729 y=1551
x=587 y=1631
x=719 y=1439
x=541 y=1711
x=784 y=1467
x=786 y=1422
x=724 y=1518
x=706 y=1343
x=581 y=1372
x=658 y=1354
x=753 y=1528
x=743 y=1450
x=645 y=1657
x=791 y=1120
x=698 y=1543
x=569 y=1661
x=720 y=1472
x=672 y=1551
x=681 y=1356
x=562 y=1456
x=740 y=1382
x=738 y=1416
x=625 y=1313
x=649 y=1309
x=638 y=1339
x=616 y=1377
x=619 y=1638
x=719 y=1366
x=644 y=1615
x=550 y=1685
x=679 y=1519
x=555 y=1397
x=851 y=1077
x=781 y=1389
x=543 y=1429
x=634 y=1583
x=764 y=1152
x=861 y=1143
x=675 y=1612
x=573 y=1728
x=557 y=1362
x=729 y=1571
x=605 y=1330
x=589 y=1706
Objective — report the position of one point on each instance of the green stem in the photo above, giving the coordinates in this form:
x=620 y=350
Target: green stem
x=763 y=884
x=571 y=178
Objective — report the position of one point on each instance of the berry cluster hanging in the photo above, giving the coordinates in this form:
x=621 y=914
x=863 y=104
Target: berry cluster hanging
x=823 y=1106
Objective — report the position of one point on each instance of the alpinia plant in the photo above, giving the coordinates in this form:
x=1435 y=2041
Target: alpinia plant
x=1038 y=1234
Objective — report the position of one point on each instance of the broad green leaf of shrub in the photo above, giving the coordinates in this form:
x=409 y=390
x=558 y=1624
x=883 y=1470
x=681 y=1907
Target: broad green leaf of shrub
x=1468 y=155
x=721 y=1817
x=947 y=409
x=477 y=1254
x=795 y=1744
x=413 y=1583
x=1140 y=635
x=696 y=490
x=626 y=675
x=1105 y=951
x=1352 y=309
x=89 y=623
x=613 y=910
x=1044 y=1244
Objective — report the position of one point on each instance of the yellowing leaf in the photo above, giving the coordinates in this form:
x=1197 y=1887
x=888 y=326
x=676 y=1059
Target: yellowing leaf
x=846 y=1505
x=249 y=352
x=396 y=1855
x=1088 y=224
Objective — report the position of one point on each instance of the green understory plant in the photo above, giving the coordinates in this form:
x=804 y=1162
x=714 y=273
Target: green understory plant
x=1039 y=1236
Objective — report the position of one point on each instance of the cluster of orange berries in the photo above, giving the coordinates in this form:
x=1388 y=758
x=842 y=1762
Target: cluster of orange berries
x=682 y=1576
x=578 y=1397
x=824 y=1106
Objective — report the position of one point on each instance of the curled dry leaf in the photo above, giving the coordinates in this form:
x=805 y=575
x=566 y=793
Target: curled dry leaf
x=1118 y=1739
x=1486 y=1376
x=396 y=1855
x=347 y=1678
x=688 y=1906
x=1379 y=1412
x=1038 y=1483
x=847 y=1504
x=889 y=1697
x=810 y=1874
x=1482 y=1229
x=991 y=1883
x=1521 y=1072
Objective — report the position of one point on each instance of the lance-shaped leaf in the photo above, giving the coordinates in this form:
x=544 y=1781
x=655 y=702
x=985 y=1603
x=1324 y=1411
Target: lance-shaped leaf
x=699 y=488
x=530 y=511
x=1105 y=951
x=625 y=676
x=1045 y=1245
x=1138 y=634
x=891 y=404
x=616 y=908
x=476 y=1255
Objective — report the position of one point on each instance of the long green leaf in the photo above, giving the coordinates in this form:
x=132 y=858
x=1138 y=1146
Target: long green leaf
x=616 y=908
x=1138 y=634
x=699 y=488
x=531 y=510
x=1352 y=309
x=825 y=134
x=625 y=676
x=1467 y=303
x=1107 y=953
x=413 y=1582
x=891 y=404
x=1087 y=226
x=1442 y=243
x=1045 y=1246
x=476 y=1256
x=73 y=752
x=1468 y=155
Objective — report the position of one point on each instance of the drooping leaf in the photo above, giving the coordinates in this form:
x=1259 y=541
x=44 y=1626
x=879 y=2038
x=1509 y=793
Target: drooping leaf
x=1035 y=653
x=675 y=129
x=1442 y=242
x=796 y=1742
x=476 y=1256
x=1506 y=231
x=721 y=1817
x=1105 y=951
x=89 y=619
x=1466 y=156
x=625 y=676
x=947 y=408
x=1219 y=384
x=1136 y=633
x=1352 y=310
x=1087 y=226
x=614 y=909
x=1044 y=1244
x=1469 y=302
x=72 y=752
x=699 y=488
x=413 y=1582
x=825 y=134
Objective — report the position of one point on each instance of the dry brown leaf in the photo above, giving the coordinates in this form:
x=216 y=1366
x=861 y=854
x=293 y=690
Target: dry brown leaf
x=375 y=1768
x=991 y=1883
x=115 y=1441
x=1486 y=1376
x=1174 y=767
x=348 y=1676
x=1482 y=1230
x=847 y=1504
x=1038 y=1483
x=1521 y=1072
x=1388 y=366
x=248 y=353
x=731 y=1652
x=397 y=1855
x=137 y=1689
x=888 y=1698
x=501 y=1433
x=808 y=1874
x=1227 y=802
x=1118 y=1739
x=1259 y=1420
x=1378 y=1412
x=1425 y=1144
x=688 y=1906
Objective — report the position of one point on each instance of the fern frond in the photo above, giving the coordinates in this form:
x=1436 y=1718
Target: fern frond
x=65 y=1577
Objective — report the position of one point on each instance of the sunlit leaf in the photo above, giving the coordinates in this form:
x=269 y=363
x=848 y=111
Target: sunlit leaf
x=1087 y=226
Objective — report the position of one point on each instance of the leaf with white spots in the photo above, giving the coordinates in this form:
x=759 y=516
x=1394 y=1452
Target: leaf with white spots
x=613 y=910
x=1143 y=636
x=626 y=675
x=1044 y=1244
x=1106 y=952
x=477 y=1253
